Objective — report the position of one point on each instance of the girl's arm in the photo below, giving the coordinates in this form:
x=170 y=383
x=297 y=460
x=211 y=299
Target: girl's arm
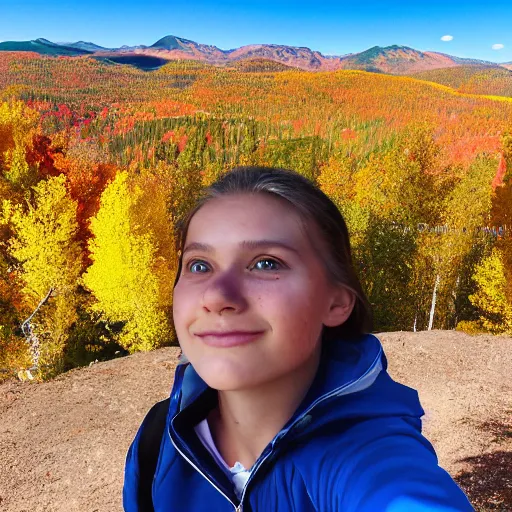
x=399 y=473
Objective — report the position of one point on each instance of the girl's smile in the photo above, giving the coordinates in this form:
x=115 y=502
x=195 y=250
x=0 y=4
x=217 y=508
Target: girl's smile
x=253 y=295
x=228 y=338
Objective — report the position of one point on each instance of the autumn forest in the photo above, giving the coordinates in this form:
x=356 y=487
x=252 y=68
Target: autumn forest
x=99 y=161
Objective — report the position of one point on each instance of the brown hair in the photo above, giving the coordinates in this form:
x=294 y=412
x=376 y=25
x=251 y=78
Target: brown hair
x=312 y=204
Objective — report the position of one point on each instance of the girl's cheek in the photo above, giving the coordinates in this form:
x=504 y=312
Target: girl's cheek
x=180 y=303
x=188 y=302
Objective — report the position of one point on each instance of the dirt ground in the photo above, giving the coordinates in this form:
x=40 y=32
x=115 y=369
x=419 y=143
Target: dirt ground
x=63 y=443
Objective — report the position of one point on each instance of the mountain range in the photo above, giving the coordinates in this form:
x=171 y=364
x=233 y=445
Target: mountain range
x=398 y=60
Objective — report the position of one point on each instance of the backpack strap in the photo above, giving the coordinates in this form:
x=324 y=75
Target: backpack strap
x=149 y=450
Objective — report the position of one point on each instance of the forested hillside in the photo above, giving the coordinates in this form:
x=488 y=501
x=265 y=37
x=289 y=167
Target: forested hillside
x=495 y=81
x=98 y=162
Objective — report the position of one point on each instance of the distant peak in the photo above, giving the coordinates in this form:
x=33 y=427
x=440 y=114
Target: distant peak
x=170 y=42
x=395 y=47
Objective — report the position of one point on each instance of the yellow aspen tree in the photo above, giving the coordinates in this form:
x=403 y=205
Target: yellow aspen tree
x=44 y=243
x=501 y=211
x=466 y=208
x=122 y=277
x=394 y=190
x=153 y=211
x=17 y=126
x=490 y=297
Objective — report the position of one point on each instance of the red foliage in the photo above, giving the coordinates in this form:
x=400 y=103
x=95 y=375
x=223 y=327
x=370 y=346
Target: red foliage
x=182 y=143
x=41 y=154
x=64 y=111
x=348 y=134
x=298 y=124
x=500 y=173
x=168 y=136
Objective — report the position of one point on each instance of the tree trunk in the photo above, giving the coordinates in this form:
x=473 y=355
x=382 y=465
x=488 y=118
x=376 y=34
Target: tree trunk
x=433 y=307
x=454 y=295
x=30 y=336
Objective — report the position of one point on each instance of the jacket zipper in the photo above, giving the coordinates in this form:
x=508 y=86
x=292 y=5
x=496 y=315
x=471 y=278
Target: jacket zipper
x=259 y=463
x=237 y=509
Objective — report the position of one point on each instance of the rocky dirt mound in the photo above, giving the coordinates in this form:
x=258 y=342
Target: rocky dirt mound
x=63 y=443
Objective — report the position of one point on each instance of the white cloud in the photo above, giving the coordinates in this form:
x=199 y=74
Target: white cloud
x=447 y=38
x=498 y=46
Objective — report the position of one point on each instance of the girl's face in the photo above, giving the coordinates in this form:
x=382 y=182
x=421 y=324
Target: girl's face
x=253 y=294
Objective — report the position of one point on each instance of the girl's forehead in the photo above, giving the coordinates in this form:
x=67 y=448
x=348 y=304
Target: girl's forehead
x=246 y=216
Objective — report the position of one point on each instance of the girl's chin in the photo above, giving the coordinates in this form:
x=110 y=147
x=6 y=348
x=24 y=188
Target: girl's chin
x=224 y=374
x=228 y=383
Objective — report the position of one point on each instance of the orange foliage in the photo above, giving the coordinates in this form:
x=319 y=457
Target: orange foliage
x=500 y=173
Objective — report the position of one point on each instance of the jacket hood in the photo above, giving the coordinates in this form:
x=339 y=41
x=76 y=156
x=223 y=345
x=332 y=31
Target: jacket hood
x=351 y=384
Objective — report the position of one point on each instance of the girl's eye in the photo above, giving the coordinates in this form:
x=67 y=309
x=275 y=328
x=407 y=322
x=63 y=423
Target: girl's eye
x=197 y=267
x=267 y=264
x=264 y=264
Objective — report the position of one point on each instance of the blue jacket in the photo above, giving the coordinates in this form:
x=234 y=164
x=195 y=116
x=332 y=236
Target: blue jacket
x=353 y=445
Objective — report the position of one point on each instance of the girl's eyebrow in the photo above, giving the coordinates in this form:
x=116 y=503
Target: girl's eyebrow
x=245 y=244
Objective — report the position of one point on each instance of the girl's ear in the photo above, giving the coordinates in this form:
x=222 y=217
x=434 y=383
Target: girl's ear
x=341 y=307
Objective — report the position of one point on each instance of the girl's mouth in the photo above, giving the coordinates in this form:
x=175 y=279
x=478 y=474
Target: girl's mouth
x=228 y=339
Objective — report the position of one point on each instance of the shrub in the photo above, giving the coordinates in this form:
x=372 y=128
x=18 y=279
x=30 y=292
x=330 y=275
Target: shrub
x=470 y=327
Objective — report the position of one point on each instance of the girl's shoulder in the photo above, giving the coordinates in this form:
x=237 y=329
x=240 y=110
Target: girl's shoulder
x=375 y=464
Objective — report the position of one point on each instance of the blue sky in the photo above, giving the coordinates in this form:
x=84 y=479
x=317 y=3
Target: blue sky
x=332 y=27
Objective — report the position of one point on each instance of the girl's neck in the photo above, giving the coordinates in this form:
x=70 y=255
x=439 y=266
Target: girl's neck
x=245 y=421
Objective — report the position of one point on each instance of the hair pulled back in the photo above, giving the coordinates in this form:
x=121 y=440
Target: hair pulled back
x=312 y=205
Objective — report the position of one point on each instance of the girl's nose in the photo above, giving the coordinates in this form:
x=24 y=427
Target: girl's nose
x=224 y=294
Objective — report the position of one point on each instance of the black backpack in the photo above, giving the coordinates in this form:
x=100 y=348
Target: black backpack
x=149 y=449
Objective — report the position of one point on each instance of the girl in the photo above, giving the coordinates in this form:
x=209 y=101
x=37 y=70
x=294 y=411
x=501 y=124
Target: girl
x=285 y=403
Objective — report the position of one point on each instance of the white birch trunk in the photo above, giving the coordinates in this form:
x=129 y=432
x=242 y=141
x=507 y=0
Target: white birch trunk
x=454 y=295
x=433 y=307
x=31 y=337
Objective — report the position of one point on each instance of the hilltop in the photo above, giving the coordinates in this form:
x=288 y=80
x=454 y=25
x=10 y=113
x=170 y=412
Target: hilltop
x=43 y=47
x=472 y=79
x=64 y=442
x=402 y=60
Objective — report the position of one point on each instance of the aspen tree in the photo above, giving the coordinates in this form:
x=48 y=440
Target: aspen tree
x=501 y=211
x=466 y=208
x=490 y=297
x=17 y=127
x=44 y=244
x=121 y=276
